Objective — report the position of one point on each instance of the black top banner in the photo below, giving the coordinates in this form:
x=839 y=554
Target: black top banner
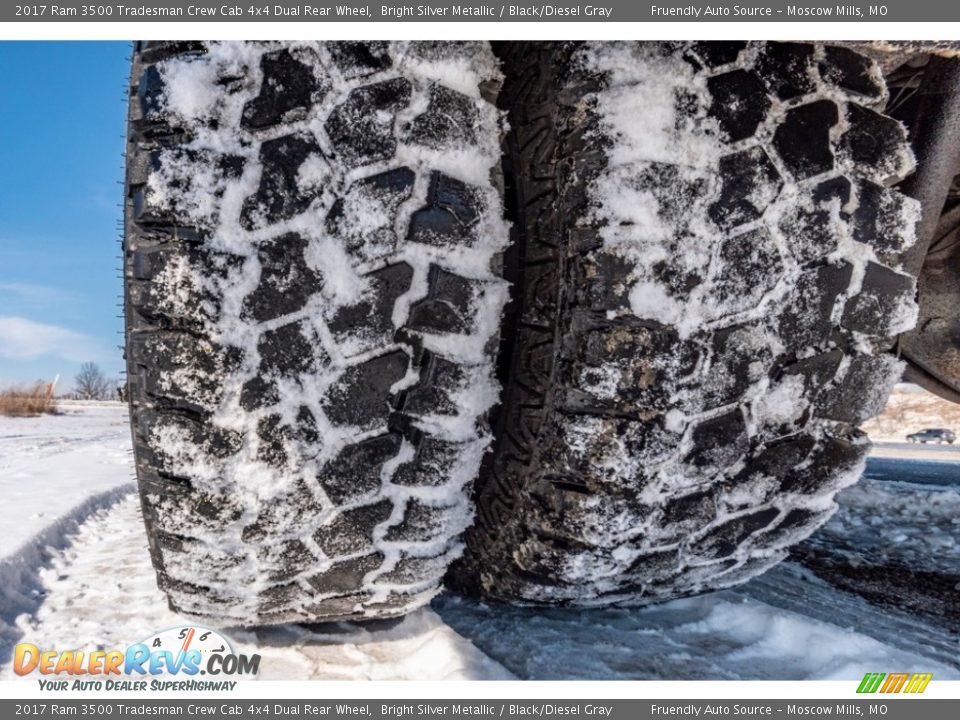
x=495 y=11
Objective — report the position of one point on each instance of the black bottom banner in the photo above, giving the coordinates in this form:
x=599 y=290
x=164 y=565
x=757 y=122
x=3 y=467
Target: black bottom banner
x=914 y=708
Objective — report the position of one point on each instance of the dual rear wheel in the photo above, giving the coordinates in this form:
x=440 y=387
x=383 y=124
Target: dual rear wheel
x=561 y=323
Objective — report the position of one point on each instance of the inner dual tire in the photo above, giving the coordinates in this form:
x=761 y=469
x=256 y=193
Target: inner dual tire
x=703 y=270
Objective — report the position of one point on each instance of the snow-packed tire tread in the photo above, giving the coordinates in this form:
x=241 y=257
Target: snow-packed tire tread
x=651 y=450
x=302 y=449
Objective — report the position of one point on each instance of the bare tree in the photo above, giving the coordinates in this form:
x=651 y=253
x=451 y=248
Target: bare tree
x=91 y=384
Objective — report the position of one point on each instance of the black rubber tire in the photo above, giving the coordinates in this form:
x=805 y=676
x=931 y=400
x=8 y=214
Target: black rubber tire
x=313 y=292
x=707 y=282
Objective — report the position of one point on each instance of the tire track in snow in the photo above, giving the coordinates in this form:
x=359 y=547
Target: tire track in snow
x=21 y=584
x=100 y=592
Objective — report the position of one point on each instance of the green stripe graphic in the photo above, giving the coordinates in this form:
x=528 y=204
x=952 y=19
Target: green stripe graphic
x=870 y=682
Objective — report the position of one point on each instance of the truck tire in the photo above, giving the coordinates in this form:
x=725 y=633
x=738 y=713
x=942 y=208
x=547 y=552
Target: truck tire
x=313 y=294
x=706 y=283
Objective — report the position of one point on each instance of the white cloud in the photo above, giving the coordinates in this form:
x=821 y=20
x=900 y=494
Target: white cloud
x=22 y=339
x=36 y=295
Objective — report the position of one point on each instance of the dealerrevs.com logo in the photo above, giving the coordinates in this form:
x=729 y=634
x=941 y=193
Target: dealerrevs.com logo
x=172 y=659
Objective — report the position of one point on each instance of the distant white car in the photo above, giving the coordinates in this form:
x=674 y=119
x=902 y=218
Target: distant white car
x=930 y=435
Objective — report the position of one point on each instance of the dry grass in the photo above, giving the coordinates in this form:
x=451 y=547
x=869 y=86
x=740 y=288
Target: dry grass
x=27 y=401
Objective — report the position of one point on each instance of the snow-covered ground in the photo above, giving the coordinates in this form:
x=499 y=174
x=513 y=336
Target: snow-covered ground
x=50 y=465
x=55 y=471
x=78 y=575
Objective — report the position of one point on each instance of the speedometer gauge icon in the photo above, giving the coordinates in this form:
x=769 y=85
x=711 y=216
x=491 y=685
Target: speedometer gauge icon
x=184 y=638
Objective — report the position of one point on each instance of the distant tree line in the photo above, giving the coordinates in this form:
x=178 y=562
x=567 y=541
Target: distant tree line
x=91 y=384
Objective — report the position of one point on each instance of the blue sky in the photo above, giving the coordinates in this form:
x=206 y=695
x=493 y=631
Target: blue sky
x=61 y=132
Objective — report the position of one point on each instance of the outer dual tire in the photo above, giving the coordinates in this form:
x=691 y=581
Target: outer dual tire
x=312 y=266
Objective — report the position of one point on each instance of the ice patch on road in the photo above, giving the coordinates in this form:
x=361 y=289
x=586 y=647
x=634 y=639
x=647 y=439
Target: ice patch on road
x=892 y=523
x=792 y=587
x=722 y=636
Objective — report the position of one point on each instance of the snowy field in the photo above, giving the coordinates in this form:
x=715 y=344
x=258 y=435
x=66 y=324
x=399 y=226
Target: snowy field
x=877 y=588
